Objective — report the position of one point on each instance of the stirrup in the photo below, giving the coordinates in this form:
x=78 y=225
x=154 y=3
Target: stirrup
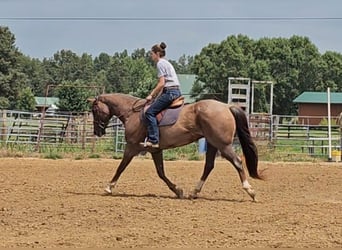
x=148 y=144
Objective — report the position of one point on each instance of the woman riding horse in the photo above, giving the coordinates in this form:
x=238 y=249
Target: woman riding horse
x=166 y=91
x=216 y=121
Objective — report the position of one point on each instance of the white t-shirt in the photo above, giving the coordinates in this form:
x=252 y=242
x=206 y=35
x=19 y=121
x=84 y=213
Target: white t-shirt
x=165 y=68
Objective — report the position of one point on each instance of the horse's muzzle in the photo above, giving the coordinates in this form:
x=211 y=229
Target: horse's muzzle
x=99 y=132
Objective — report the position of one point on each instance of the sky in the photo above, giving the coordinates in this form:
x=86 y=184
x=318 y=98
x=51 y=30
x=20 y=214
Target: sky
x=44 y=27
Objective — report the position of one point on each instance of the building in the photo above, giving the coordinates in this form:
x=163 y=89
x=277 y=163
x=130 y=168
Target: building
x=186 y=82
x=311 y=104
x=47 y=103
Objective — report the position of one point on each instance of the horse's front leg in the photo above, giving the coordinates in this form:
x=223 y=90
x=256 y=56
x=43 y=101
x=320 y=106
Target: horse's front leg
x=159 y=163
x=129 y=153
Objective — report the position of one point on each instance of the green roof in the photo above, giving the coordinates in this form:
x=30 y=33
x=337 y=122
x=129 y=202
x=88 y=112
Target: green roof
x=186 y=83
x=40 y=101
x=319 y=97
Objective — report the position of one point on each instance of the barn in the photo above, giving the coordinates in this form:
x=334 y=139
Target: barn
x=312 y=104
x=47 y=103
x=186 y=83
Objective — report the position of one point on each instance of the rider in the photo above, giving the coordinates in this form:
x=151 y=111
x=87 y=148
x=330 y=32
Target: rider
x=165 y=92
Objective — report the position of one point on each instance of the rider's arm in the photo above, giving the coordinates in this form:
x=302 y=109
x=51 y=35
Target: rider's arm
x=155 y=92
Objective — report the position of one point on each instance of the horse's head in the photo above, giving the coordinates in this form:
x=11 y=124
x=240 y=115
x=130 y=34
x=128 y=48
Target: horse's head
x=101 y=114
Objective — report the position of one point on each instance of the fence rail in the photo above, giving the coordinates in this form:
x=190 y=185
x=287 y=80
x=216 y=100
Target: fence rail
x=296 y=134
x=69 y=130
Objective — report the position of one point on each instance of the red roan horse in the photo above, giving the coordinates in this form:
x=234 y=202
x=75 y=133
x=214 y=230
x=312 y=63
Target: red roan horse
x=216 y=121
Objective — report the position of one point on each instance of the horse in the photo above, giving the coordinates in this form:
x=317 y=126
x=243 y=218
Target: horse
x=216 y=121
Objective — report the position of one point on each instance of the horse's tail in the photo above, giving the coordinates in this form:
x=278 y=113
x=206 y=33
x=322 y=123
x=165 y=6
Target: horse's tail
x=248 y=146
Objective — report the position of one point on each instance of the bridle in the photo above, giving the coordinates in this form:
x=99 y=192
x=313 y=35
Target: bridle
x=101 y=124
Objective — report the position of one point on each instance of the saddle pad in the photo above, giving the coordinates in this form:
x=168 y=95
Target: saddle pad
x=169 y=116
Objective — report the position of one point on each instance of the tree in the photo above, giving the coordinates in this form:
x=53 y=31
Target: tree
x=117 y=74
x=101 y=67
x=26 y=101
x=85 y=68
x=73 y=96
x=216 y=62
x=139 y=53
x=36 y=76
x=64 y=66
x=293 y=64
x=292 y=68
x=102 y=62
x=130 y=74
x=4 y=103
x=332 y=73
x=183 y=65
x=11 y=79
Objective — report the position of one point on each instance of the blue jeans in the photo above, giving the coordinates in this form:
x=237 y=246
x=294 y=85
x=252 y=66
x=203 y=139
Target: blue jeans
x=161 y=103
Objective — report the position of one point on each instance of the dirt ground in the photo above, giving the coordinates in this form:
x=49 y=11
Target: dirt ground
x=61 y=203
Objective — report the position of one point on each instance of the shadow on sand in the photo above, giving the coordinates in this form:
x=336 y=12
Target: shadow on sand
x=154 y=196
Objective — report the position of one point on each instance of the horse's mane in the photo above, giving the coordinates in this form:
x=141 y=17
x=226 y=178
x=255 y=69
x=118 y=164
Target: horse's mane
x=119 y=99
x=120 y=104
x=110 y=96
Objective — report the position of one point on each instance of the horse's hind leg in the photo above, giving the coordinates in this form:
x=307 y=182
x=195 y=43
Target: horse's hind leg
x=159 y=163
x=231 y=156
x=209 y=165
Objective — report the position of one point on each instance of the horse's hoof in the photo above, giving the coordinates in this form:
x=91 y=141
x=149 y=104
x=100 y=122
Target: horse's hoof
x=253 y=197
x=193 y=196
x=108 y=190
x=179 y=193
x=251 y=193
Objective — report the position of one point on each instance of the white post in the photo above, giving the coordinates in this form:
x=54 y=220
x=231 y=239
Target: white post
x=271 y=100
x=329 y=126
x=252 y=99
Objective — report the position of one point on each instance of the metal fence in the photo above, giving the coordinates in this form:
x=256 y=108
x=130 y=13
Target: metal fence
x=297 y=134
x=76 y=131
x=69 y=130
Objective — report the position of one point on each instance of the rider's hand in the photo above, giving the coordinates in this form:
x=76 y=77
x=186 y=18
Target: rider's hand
x=149 y=98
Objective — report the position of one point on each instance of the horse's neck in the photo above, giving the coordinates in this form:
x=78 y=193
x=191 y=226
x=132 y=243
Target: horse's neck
x=119 y=105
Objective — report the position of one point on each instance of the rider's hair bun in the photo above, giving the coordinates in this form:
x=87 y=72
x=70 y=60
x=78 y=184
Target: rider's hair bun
x=162 y=45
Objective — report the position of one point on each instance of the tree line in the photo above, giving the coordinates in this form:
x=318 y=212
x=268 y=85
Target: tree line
x=294 y=64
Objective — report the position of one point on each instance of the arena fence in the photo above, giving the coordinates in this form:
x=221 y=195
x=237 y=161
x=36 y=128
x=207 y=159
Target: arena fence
x=69 y=130
x=289 y=134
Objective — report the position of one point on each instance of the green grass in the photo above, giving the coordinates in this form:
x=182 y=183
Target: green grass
x=282 y=150
x=52 y=155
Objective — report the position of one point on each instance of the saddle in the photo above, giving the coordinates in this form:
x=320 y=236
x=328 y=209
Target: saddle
x=169 y=115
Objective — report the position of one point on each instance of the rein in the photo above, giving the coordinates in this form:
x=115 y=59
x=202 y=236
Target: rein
x=101 y=124
x=136 y=107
